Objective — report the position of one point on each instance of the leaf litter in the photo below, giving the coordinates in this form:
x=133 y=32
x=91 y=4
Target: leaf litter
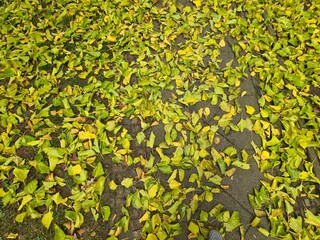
x=72 y=73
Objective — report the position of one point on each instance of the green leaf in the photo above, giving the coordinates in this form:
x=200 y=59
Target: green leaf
x=273 y=141
x=58 y=233
x=53 y=162
x=167 y=169
x=100 y=185
x=106 y=211
x=226 y=107
x=20 y=174
x=10 y=72
x=48 y=185
x=174 y=207
x=312 y=219
x=75 y=217
x=194 y=228
x=127 y=182
x=230 y=151
x=191 y=98
x=31 y=187
x=233 y=222
x=24 y=201
x=98 y=170
x=43 y=168
x=264 y=231
x=216 y=210
x=216 y=179
x=255 y=222
x=222 y=165
x=20 y=217
x=88 y=203
x=150 y=142
x=294 y=174
x=136 y=200
x=209 y=196
x=151 y=237
x=241 y=165
x=112 y=238
x=140 y=137
x=245 y=124
x=112 y=185
x=296 y=224
x=54 y=152
x=204 y=216
x=57 y=198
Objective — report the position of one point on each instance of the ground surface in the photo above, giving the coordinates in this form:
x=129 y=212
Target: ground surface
x=159 y=119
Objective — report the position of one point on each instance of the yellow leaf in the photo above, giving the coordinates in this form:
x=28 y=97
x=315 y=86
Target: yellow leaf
x=197 y=3
x=126 y=144
x=255 y=222
x=192 y=99
x=151 y=237
x=264 y=113
x=152 y=192
x=127 y=79
x=13 y=235
x=20 y=217
x=206 y=112
x=227 y=160
x=145 y=217
x=78 y=68
x=112 y=185
x=230 y=172
x=179 y=82
x=304 y=175
x=265 y=155
x=69 y=90
x=311 y=21
x=187 y=50
x=25 y=200
x=268 y=176
x=57 y=198
x=111 y=38
x=259 y=213
x=275 y=108
x=34 y=143
x=203 y=153
x=122 y=151
x=174 y=184
x=2 y=192
x=250 y=110
x=222 y=43
x=268 y=99
x=83 y=75
x=74 y=170
x=86 y=135
x=238 y=82
x=106 y=18
x=47 y=219
x=242 y=45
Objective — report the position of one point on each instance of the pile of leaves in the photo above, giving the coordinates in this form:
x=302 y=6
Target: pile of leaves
x=114 y=111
